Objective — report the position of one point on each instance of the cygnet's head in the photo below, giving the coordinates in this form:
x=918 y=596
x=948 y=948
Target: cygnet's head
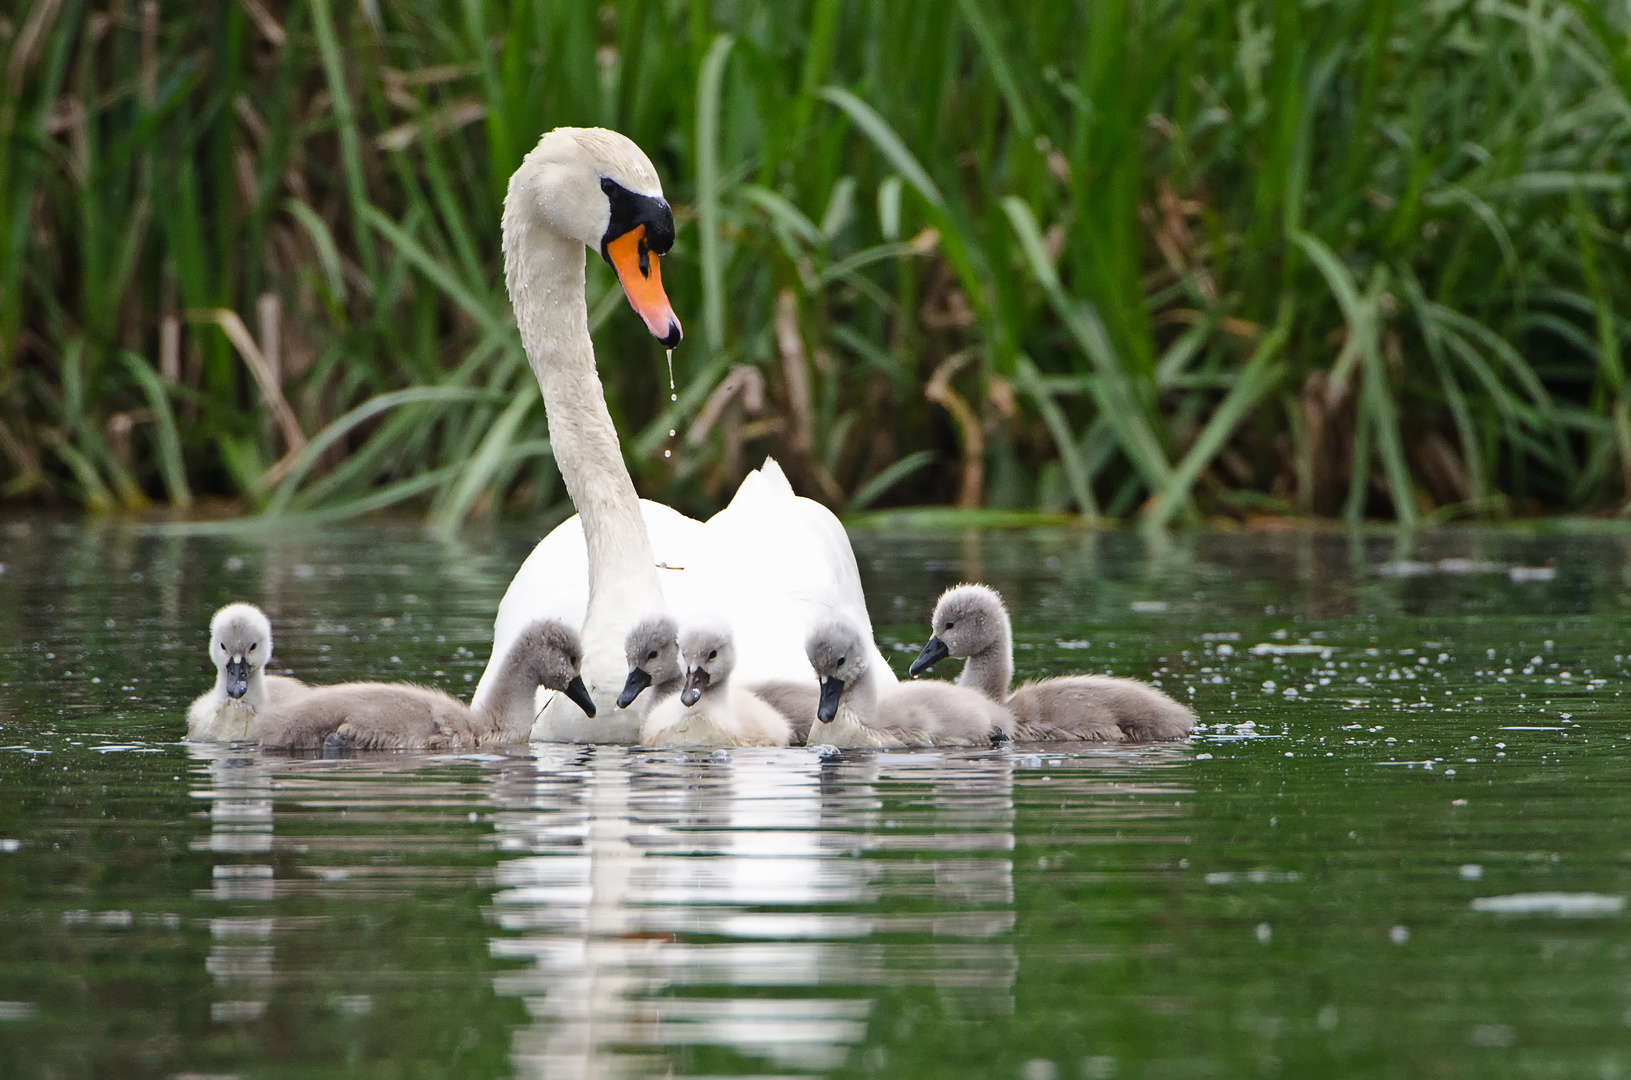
x=551 y=654
x=709 y=654
x=652 y=649
x=838 y=653
x=240 y=644
x=968 y=620
x=597 y=187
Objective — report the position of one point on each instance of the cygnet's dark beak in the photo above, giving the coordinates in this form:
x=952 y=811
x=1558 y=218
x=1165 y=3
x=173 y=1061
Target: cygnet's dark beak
x=639 y=679
x=237 y=670
x=695 y=683
x=934 y=652
x=832 y=688
x=578 y=694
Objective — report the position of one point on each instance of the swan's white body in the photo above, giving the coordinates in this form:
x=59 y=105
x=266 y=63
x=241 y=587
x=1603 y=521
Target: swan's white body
x=771 y=563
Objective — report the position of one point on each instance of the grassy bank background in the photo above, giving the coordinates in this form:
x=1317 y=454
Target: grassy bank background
x=1164 y=258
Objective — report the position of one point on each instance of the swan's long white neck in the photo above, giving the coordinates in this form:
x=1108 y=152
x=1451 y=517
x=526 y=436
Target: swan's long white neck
x=545 y=274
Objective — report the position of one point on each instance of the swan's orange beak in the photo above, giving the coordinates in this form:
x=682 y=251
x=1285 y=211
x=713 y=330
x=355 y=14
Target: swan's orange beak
x=637 y=268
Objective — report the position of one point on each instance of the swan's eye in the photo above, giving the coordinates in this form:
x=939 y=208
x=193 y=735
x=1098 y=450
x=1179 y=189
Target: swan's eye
x=950 y=625
x=652 y=655
x=253 y=645
x=840 y=661
x=714 y=655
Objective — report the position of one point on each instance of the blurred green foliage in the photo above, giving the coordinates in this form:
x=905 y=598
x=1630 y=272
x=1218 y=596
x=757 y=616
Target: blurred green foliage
x=1166 y=257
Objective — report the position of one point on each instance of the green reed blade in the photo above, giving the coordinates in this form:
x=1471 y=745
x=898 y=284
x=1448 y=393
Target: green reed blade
x=709 y=80
x=343 y=425
x=1133 y=433
x=478 y=472
x=345 y=119
x=172 y=465
x=1256 y=379
x=877 y=487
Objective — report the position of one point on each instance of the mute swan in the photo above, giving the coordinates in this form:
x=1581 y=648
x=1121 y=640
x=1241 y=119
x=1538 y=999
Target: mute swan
x=771 y=563
x=708 y=711
x=970 y=621
x=653 y=652
x=853 y=712
x=241 y=646
x=380 y=716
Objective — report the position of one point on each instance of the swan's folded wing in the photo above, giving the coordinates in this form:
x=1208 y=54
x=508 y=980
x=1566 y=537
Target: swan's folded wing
x=775 y=566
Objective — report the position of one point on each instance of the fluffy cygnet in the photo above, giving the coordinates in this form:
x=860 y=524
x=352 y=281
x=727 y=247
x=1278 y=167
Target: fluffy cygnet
x=708 y=711
x=971 y=622
x=796 y=701
x=391 y=716
x=241 y=647
x=853 y=712
x=653 y=653
x=652 y=649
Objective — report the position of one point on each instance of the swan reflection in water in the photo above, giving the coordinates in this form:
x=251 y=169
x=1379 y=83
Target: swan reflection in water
x=643 y=906
x=669 y=899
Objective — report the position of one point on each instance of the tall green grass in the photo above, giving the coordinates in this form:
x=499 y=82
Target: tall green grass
x=1166 y=258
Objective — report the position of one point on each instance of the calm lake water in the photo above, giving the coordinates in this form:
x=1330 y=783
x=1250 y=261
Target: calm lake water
x=1399 y=845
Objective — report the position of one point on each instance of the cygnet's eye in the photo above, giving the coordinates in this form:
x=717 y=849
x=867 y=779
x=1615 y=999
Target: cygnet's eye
x=950 y=625
x=652 y=655
x=253 y=645
x=840 y=661
x=714 y=655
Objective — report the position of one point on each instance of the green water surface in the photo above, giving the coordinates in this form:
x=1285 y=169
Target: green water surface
x=1397 y=846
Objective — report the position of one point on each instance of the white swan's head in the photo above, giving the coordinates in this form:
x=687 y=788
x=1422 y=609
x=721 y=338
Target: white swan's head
x=838 y=653
x=551 y=655
x=968 y=620
x=240 y=644
x=653 y=652
x=597 y=187
x=709 y=654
